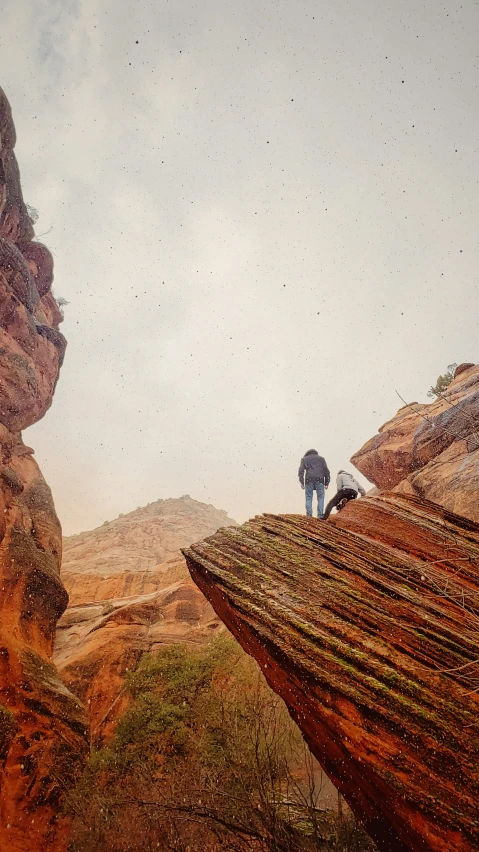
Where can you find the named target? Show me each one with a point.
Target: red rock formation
(431, 450)
(130, 593)
(42, 725)
(367, 626)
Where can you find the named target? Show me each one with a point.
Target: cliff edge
(367, 627)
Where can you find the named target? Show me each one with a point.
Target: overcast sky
(264, 218)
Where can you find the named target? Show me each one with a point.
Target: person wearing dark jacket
(348, 489)
(314, 476)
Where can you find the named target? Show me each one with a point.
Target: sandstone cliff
(367, 627)
(130, 592)
(431, 450)
(43, 737)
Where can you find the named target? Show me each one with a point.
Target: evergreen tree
(443, 381)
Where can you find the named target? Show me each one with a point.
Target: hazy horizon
(264, 220)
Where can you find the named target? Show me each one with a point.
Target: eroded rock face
(97, 643)
(431, 450)
(43, 736)
(130, 592)
(367, 626)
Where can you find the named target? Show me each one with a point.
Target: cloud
(261, 231)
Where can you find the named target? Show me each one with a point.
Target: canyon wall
(130, 593)
(431, 450)
(43, 735)
(367, 626)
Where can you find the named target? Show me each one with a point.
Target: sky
(264, 219)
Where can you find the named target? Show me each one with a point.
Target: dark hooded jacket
(312, 468)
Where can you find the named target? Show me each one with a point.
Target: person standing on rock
(314, 476)
(348, 489)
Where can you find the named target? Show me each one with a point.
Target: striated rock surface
(431, 450)
(367, 626)
(130, 592)
(43, 735)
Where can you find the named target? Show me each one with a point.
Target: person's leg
(309, 488)
(347, 493)
(320, 495)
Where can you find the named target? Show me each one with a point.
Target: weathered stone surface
(97, 643)
(431, 450)
(367, 626)
(31, 346)
(129, 593)
(44, 725)
(43, 735)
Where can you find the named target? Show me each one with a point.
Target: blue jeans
(317, 486)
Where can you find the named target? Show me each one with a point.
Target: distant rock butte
(367, 626)
(43, 726)
(138, 552)
(431, 450)
(130, 592)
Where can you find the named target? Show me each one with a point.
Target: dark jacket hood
(313, 468)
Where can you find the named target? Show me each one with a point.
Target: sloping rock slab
(368, 627)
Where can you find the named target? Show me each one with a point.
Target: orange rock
(43, 733)
(366, 626)
(431, 450)
(129, 593)
(98, 643)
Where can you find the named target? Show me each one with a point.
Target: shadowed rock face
(42, 725)
(367, 626)
(431, 450)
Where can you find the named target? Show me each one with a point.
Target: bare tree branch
(431, 422)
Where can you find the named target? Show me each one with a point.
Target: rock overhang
(366, 626)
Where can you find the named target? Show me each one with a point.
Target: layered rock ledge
(130, 593)
(431, 450)
(367, 626)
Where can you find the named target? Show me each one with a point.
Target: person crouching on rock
(348, 489)
(314, 476)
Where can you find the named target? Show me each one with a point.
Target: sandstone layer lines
(376, 663)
